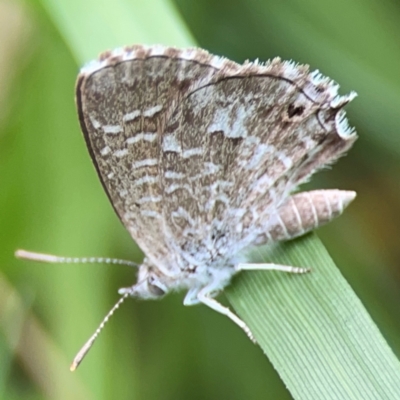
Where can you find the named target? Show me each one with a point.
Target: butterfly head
(150, 285)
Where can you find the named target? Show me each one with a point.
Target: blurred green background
(52, 201)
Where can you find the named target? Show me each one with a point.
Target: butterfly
(200, 158)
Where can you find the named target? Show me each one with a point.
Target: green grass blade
(313, 328)
(90, 27)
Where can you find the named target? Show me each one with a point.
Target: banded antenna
(49, 258)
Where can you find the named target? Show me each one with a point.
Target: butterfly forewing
(123, 110)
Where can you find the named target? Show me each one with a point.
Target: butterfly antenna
(86, 347)
(48, 258)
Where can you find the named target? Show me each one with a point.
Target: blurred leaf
(23, 333)
(93, 26)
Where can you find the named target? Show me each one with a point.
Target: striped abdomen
(306, 211)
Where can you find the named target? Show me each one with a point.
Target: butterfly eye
(154, 287)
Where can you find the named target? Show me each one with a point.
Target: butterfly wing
(124, 100)
(242, 143)
(194, 151)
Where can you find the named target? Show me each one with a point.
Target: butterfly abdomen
(304, 212)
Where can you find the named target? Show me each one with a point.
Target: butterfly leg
(204, 297)
(191, 297)
(272, 267)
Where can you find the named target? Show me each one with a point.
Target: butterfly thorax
(153, 283)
